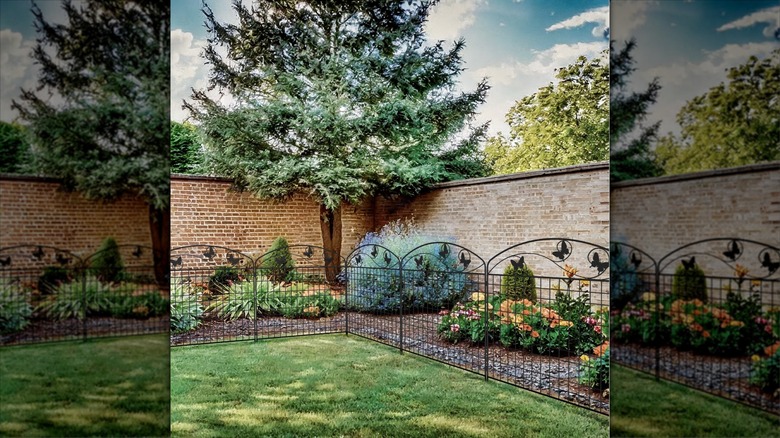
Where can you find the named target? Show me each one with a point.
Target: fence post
(346, 300)
(657, 321)
(401, 311)
(84, 301)
(254, 296)
(487, 324)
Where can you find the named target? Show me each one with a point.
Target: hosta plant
(15, 309)
(186, 309)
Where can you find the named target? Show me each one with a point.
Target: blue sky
(689, 45)
(516, 44)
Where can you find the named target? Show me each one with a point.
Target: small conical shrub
(689, 283)
(278, 264)
(518, 283)
(107, 264)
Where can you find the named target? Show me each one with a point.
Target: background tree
(631, 142)
(340, 100)
(106, 131)
(186, 156)
(732, 124)
(14, 148)
(561, 124)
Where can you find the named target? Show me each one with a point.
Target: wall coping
(750, 168)
(590, 167)
(31, 178)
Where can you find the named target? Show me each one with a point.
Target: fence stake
(487, 325)
(84, 301)
(657, 321)
(401, 312)
(346, 303)
(254, 289)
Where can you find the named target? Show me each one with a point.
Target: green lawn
(640, 407)
(109, 387)
(336, 385)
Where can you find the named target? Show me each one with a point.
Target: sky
(689, 45)
(516, 44)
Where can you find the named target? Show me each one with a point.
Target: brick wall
(34, 211)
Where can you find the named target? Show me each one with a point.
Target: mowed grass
(337, 385)
(642, 407)
(108, 387)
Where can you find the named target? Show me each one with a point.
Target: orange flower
(569, 271)
(697, 327)
(526, 302)
(598, 351)
(736, 323)
(565, 323)
(525, 327)
(705, 334)
(534, 334)
(772, 349)
(554, 323)
(740, 271)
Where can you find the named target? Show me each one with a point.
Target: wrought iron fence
(51, 294)
(706, 315)
(533, 316)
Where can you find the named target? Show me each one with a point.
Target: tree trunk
(330, 224)
(160, 226)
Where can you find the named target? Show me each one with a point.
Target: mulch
(50, 331)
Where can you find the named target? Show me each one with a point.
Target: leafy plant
(467, 322)
(107, 264)
(238, 301)
(689, 283)
(68, 300)
(595, 372)
(223, 278)
(15, 309)
(278, 264)
(766, 372)
(146, 305)
(518, 283)
(186, 310)
(52, 277)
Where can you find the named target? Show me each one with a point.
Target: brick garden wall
(34, 211)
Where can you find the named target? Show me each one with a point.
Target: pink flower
(626, 328)
(597, 329)
(768, 329)
(455, 328)
(590, 321)
(444, 312)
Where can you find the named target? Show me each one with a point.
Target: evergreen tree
(338, 99)
(106, 132)
(630, 141)
(14, 149)
(185, 148)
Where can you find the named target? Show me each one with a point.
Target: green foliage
(186, 310)
(689, 284)
(561, 124)
(52, 277)
(346, 103)
(766, 373)
(14, 148)
(15, 308)
(730, 125)
(468, 322)
(107, 264)
(186, 156)
(239, 301)
(624, 282)
(146, 305)
(278, 264)
(110, 64)
(595, 372)
(517, 284)
(224, 277)
(77, 300)
(631, 142)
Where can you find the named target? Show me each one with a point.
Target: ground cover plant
(334, 385)
(641, 406)
(106, 387)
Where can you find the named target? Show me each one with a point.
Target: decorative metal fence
(706, 315)
(50, 294)
(533, 316)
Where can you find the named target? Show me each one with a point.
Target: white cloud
(448, 19)
(600, 16)
(18, 70)
(629, 15)
(771, 16)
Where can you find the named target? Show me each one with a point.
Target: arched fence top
(743, 257)
(372, 255)
(642, 262)
(316, 255)
(26, 256)
(132, 255)
(576, 258)
(201, 255)
(448, 256)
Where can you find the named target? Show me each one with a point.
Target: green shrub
(467, 322)
(67, 300)
(15, 309)
(52, 277)
(224, 277)
(689, 283)
(239, 302)
(278, 264)
(146, 305)
(186, 310)
(518, 283)
(107, 264)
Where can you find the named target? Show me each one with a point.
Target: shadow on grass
(338, 385)
(109, 387)
(641, 406)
